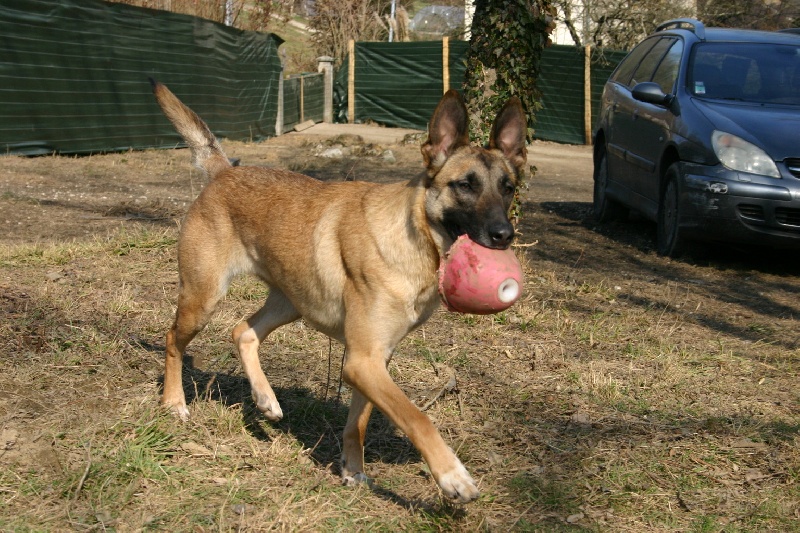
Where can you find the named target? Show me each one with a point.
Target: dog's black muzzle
(499, 235)
(494, 232)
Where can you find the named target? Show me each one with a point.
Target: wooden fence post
(302, 99)
(325, 65)
(446, 64)
(351, 82)
(587, 94)
(279, 117)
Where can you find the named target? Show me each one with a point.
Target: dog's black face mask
(478, 207)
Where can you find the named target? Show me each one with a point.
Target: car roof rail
(694, 25)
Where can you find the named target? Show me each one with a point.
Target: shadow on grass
(746, 277)
(318, 424)
(640, 234)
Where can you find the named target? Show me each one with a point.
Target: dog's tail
(207, 154)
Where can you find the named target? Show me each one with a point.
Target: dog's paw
(268, 406)
(178, 409)
(458, 485)
(182, 412)
(359, 478)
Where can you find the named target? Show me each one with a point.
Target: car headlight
(738, 154)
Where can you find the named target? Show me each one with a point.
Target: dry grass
(626, 393)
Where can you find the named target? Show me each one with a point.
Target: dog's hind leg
(247, 337)
(194, 311)
(354, 433)
(205, 274)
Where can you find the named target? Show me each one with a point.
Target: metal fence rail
(303, 99)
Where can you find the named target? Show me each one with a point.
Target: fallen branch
(449, 385)
(85, 475)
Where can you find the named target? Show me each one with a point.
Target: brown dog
(356, 260)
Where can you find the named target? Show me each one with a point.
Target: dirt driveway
(626, 392)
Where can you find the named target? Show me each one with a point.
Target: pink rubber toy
(479, 280)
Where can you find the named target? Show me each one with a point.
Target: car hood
(772, 128)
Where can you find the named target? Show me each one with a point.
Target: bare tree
(243, 14)
(621, 24)
(335, 22)
(564, 10)
(758, 14)
(616, 23)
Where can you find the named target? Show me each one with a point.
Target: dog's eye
(464, 185)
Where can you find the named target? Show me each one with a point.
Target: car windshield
(749, 72)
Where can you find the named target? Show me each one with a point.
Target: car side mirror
(651, 93)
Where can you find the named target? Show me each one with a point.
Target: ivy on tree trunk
(504, 59)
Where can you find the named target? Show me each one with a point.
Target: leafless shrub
(621, 24)
(246, 15)
(338, 21)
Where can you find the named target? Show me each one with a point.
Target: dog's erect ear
(508, 134)
(447, 130)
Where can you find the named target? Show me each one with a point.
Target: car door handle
(636, 113)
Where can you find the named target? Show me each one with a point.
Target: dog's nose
(501, 234)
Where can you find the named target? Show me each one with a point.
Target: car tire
(670, 242)
(604, 208)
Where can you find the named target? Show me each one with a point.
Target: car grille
(753, 212)
(790, 217)
(794, 166)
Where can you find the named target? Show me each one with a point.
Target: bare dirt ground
(626, 392)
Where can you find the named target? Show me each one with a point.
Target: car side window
(647, 67)
(625, 69)
(667, 71)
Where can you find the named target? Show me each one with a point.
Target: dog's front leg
(365, 371)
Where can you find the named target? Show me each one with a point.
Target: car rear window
(667, 71)
(625, 69)
(750, 72)
(650, 61)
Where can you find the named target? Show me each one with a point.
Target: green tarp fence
(73, 76)
(561, 118)
(562, 115)
(399, 84)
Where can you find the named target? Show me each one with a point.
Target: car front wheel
(670, 243)
(604, 208)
